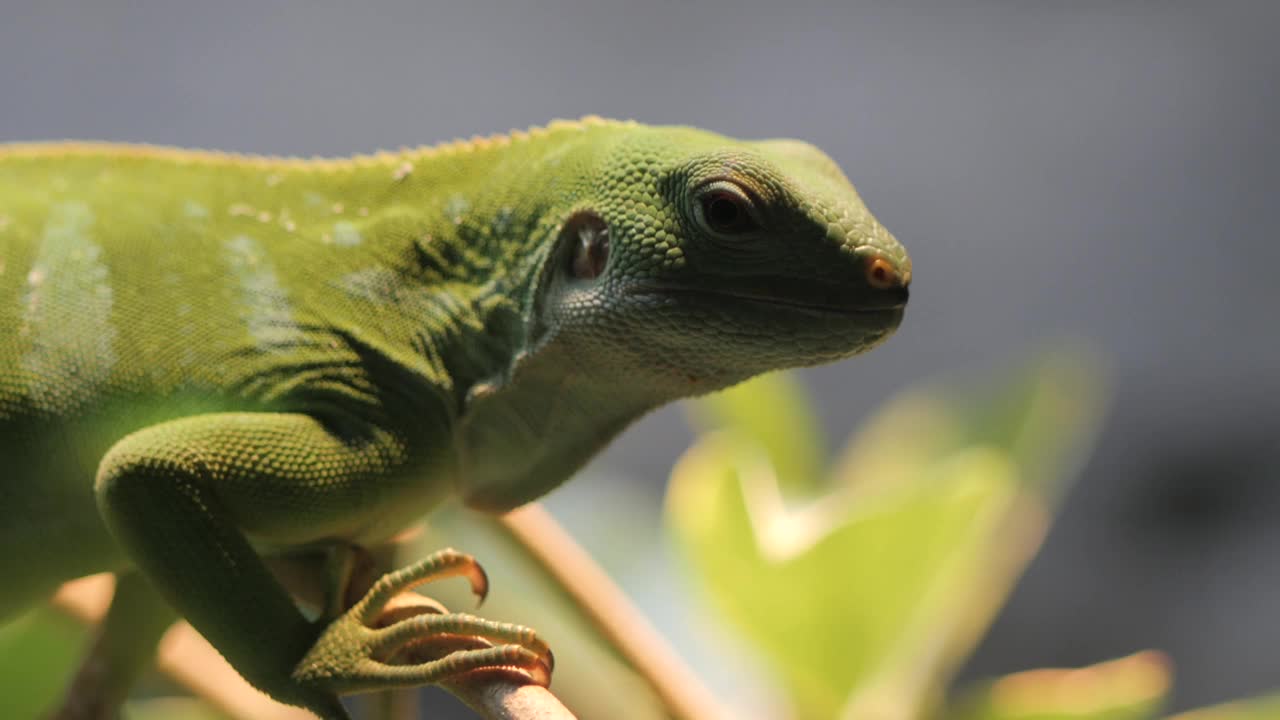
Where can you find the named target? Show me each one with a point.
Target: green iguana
(208, 360)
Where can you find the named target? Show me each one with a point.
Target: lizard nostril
(881, 274)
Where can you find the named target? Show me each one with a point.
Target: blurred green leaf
(832, 615)
(1129, 688)
(773, 414)
(1265, 708)
(866, 599)
(39, 651)
(1043, 415)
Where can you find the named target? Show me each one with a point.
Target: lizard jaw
(889, 308)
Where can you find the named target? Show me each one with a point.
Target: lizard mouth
(811, 299)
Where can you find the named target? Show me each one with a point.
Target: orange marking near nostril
(881, 274)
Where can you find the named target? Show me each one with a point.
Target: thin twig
(613, 614)
(498, 699)
(399, 704)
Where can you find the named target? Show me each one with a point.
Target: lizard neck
(523, 435)
(437, 252)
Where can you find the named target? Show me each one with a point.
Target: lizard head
(693, 259)
(669, 262)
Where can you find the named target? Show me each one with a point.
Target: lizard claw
(383, 642)
(443, 564)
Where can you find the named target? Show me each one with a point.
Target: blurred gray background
(1107, 170)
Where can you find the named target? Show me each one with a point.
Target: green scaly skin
(208, 359)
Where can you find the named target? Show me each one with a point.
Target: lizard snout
(885, 276)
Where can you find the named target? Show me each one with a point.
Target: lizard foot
(383, 642)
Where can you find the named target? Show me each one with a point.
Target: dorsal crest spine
(74, 148)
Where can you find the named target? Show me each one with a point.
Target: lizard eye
(723, 209)
(589, 236)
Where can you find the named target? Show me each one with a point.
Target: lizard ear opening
(588, 236)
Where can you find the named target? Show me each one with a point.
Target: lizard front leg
(181, 498)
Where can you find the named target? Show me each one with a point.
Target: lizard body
(208, 358)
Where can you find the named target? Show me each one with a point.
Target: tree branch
(500, 699)
(613, 614)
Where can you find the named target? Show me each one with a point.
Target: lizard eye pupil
(589, 235)
(722, 212)
(725, 213)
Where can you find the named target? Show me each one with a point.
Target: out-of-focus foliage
(38, 655)
(1267, 708)
(774, 416)
(1129, 688)
(866, 585)
(867, 595)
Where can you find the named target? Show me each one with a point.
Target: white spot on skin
(72, 337)
(384, 288)
(502, 220)
(195, 210)
(456, 208)
(265, 306)
(346, 234)
(555, 157)
(375, 285)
